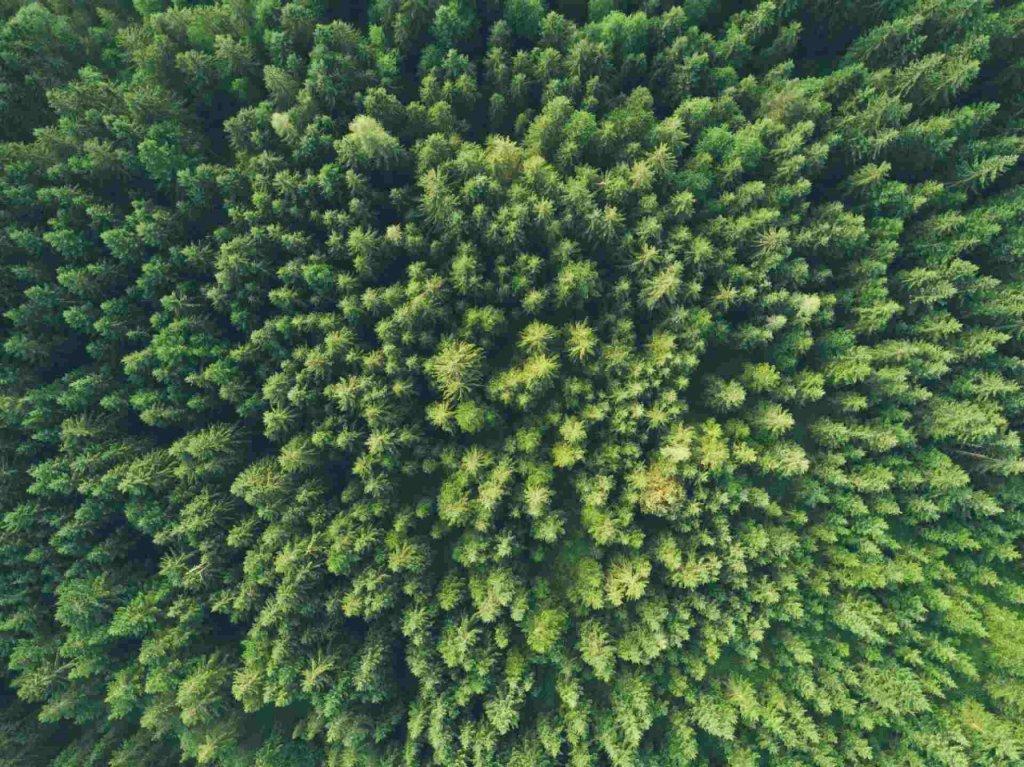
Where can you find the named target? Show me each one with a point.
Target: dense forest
(511, 383)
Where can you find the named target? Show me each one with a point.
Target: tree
(595, 649)
(368, 146)
(725, 395)
(456, 368)
(456, 25)
(524, 17)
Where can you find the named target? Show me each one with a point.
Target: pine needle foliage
(623, 383)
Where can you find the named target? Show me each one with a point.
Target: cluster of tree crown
(511, 383)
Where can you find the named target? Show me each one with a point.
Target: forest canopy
(511, 383)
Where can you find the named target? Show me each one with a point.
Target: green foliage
(461, 383)
(456, 25)
(524, 17)
(368, 145)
